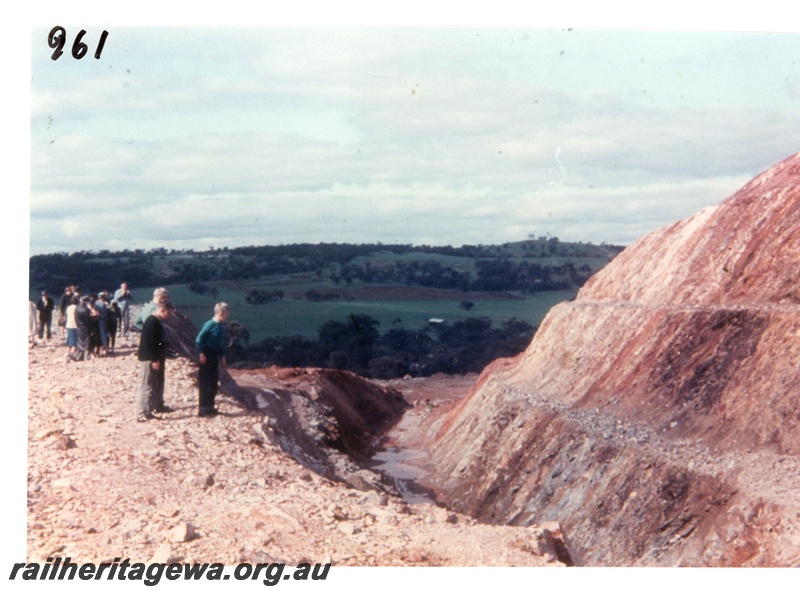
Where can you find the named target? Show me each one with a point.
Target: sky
(471, 133)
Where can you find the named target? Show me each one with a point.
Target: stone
(42, 434)
(162, 555)
(183, 532)
(65, 482)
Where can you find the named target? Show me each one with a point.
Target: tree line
(162, 267)
(357, 345)
(488, 275)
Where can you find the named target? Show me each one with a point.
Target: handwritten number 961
(57, 38)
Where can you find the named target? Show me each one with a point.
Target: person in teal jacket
(211, 348)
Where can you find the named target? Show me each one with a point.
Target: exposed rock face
(183, 489)
(321, 417)
(657, 415)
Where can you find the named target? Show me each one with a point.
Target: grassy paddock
(302, 317)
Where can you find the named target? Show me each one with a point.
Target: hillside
(655, 416)
(267, 481)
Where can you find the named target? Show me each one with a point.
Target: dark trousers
(44, 323)
(208, 381)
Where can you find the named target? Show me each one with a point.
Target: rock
(44, 433)
(63, 442)
(163, 554)
(373, 497)
(442, 516)
(183, 532)
(133, 527)
(65, 482)
(198, 480)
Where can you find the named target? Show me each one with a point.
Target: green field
(400, 286)
(302, 317)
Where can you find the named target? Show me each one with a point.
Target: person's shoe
(208, 413)
(145, 417)
(163, 409)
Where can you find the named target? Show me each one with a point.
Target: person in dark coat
(95, 342)
(114, 316)
(83, 320)
(45, 306)
(152, 356)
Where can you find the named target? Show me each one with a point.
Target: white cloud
(349, 134)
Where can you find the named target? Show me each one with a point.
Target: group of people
(210, 343)
(152, 356)
(90, 324)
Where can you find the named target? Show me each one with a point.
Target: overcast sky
(191, 137)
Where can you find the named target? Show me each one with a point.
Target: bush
(386, 367)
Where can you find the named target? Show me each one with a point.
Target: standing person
(101, 307)
(33, 324)
(94, 326)
(83, 320)
(211, 346)
(45, 306)
(63, 303)
(71, 326)
(113, 313)
(123, 297)
(159, 295)
(152, 358)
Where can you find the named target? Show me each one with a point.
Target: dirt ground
(185, 489)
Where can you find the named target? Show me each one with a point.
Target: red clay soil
(656, 416)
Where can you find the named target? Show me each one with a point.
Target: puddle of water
(395, 463)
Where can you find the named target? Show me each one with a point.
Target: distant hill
(527, 266)
(378, 310)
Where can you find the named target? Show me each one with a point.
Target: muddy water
(403, 455)
(397, 464)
